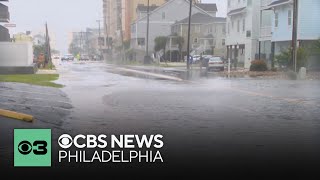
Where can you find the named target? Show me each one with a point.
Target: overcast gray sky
(64, 16)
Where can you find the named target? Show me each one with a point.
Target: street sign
(10, 25)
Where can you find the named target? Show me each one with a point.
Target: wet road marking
(16, 115)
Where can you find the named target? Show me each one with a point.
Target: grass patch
(34, 79)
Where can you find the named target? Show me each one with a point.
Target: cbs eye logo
(32, 147)
(65, 141)
(38, 147)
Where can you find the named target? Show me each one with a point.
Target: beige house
(207, 34)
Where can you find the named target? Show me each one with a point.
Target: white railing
(265, 32)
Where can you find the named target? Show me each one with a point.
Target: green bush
(258, 65)
(284, 59)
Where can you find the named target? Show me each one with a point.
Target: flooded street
(207, 122)
(250, 119)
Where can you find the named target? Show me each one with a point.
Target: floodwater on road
(230, 114)
(220, 121)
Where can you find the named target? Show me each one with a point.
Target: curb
(151, 74)
(16, 115)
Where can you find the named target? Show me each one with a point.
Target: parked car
(56, 57)
(67, 57)
(196, 59)
(215, 63)
(84, 57)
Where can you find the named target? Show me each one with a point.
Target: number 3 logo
(38, 147)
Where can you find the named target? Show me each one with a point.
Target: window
(289, 17)
(238, 26)
(228, 28)
(276, 20)
(163, 15)
(229, 3)
(248, 34)
(195, 40)
(249, 2)
(243, 25)
(232, 24)
(223, 42)
(141, 41)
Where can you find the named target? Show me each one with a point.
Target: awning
(279, 3)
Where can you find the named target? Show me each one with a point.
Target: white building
(243, 31)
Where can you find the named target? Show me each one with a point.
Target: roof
(143, 8)
(208, 7)
(279, 2)
(236, 11)
(200, 18)
(168, 2)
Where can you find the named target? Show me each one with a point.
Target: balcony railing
(265, 32)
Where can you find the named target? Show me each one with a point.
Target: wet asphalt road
(208, 119)
(222, 122)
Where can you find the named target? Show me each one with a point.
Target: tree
(39, 49)
(284, 59)
(160, 44)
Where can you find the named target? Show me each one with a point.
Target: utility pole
(147, 57)
(295, 34)
(48, 48)
(99, 41)
(148, 23)
(121, 35)
(189, 32)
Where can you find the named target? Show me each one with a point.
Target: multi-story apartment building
(282, 21)
(112, 13)
(276, 27)
(4, 18)
(243, 31)
(119, 14)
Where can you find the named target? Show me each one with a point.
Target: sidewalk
(47, 71)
